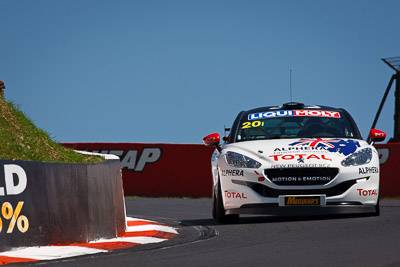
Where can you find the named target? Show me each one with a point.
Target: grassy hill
(21, 139)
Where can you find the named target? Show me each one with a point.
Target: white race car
(294, 160)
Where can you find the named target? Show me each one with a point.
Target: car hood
(299, 152)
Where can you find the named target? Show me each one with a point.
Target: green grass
(20, 139)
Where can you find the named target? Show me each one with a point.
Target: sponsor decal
(232, 172)
(254, 124)
(15, 183)
(278, 157)
(13, 186)
(301, 179)
(302, 201)
(338, 145)
(293, 149)
(134, 161)
(366, 170)
(234, 194)
(14, 216)
(364, 193)
(288, 113)
(284, 166)
(210, 139)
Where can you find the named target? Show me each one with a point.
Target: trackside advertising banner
(159, 169)
(389, 159)
(185, 169)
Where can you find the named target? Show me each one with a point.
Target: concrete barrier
(59, 203)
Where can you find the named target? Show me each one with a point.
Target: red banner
(389, 159)
(176, 170)
(180, 170)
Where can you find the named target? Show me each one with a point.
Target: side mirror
(376, 135)
(212, 140)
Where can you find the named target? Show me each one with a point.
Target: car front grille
(301, 176)
(266, 191)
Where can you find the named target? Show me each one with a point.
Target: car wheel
(220, 210)
(377, 208)
(214, 203)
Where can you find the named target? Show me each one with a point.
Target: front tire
(219, 210)
(377, 209)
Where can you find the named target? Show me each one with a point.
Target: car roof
(292, 106)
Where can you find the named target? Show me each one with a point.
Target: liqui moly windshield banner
(289, 113)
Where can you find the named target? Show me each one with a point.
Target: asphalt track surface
(255, 240)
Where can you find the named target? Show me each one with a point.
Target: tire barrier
(169, 170)
(59, 203)
(181, 170)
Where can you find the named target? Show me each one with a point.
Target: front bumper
(244, 195)
(329, 209)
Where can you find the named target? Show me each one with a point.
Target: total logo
(364, 193)
(234, 194)
(299, 157)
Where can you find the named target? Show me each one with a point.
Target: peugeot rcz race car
(294, 160)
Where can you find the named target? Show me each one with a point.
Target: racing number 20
(253, 124)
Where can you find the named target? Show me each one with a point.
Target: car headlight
(240, 161)
(361, 157)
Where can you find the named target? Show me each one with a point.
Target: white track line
(51, 252)
(151, 227)
(134, 239)
(137, 219)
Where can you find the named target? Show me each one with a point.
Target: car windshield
(286, 124)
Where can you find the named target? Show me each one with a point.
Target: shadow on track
(260, 219)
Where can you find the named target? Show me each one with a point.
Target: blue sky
(174, 71)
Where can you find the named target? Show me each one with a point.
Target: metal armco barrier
(59, 203)
(175, 170)
(389, 159)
